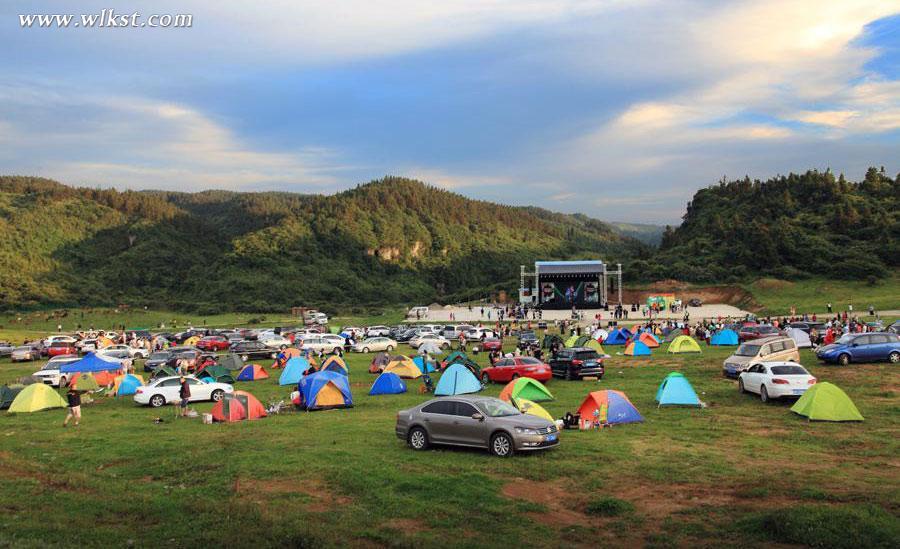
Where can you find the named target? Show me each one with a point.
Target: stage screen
(566, 290)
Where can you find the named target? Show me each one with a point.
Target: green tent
(164, 371)
(217, 373)
(595, 345)
(549, 339)
(684, 344)
(232, 362)
(455, 357)
(583, 341)
(826, 402)
(8, 394)
(36, 397)
(527, 388)
(86, 382)
(572, 341)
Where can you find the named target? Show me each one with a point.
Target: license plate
(799, 391)
(551, 438)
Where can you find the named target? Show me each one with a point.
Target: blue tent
(724, 337)
(128, 385)
(323, 390)
(637, 348)
(676, 390)
(426, 366)
(457, 380)
(91, 363)
(293, 371)
(618, 337)
(388, 383)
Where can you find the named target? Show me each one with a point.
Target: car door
(879, 345)
(199, 390)
(466, 430)
(751, 378)
(169, 389)
(861, 349)
(504, 370)
(438, 418)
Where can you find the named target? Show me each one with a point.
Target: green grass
(820, 526)
(341, 477)
(776, 297)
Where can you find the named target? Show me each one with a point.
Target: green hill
(389, 241)
(788, 227)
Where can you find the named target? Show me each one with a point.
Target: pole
(619, 272)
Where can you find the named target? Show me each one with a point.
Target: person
(74, 399)
(185, 394)
(829, 307)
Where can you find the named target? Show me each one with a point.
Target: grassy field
(778, 296)
(737, 473)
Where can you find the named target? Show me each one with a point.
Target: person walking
(185, 394)
(74, 400)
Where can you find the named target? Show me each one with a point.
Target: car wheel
(390, 348)
(502, 445)
(217, 395)
(417, 439)
(515, 377)
(763, 394)
(485, 378)
(741, 386)
(365, 349)
(157, 400)
(844, 359)
(894, 357)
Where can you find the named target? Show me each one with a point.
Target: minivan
(767, 349)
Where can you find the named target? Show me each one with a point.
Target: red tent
(238, 406)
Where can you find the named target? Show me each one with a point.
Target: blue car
(869, 347)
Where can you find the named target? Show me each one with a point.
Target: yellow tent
(404, 367)
(528, 407)
(595, 345)
(571, 341)
(191, 341)
(119, 379)
(104, 342)
(684, 344)
(36, 397)
(334, 359)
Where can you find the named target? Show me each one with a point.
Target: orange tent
(106, 378)
(238, 406)
(649, 340)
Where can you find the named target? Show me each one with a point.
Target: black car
(157, 360)
(406, 336)
(576, 363)
(528, 339)
(695, 302)
(248, 350)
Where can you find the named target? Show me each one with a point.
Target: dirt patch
(553, 495)
(15, 470)
(320, 496)
(729, 295)
(407, 525)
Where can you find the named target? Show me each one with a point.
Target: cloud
(452, 182)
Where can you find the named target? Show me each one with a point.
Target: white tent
(800, 337)
(599, 335)
(430, 348)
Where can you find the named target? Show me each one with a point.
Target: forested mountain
(389, 241)
(787, 227)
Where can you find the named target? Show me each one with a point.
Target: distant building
(563, 284)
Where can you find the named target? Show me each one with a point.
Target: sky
(617, 109)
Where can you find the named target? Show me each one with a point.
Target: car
(473, 334)
(375, 345)
(87, 345)
(213, 343)
(125, 351)
(451, 331)
(438, 340)
(164, 390)
(772, 380)
(894, 328)
(406, 335)
(756, 332)
(6, 348)
(378, 331)
(61, 347)
(417, 312)
(248, 350)
(508, 369)
(475, 421)
(275, 341)
(49, 340)
(50, 373)
(492, 344)
(866, 347)
(695, 302)
(769, 349)
(577, 363)
(325, 344)
(527, 339)
(157, 360)
(25, 353)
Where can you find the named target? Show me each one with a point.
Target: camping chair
(428, 384)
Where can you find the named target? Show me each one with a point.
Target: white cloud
(455, 181)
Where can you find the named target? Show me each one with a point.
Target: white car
(324, 344)
(165, 390)
(775, 380)
(87, 345)
(375, 345)
(132, 352)
(378, 331)
(64, 338)
(438, 340)
(50, 374)
(479, 333)
(274, 341)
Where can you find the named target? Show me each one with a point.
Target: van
(418, 312)
(767, 349)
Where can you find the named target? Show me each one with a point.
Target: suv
(50, 373)
(326, 344)
(452, 332)
(576, 363)
(527, 339)
(378, 331)
(248, 350)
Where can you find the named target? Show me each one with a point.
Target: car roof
(465, 398)
(157, 380)
(770, 339)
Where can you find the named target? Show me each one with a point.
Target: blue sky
(618, 109)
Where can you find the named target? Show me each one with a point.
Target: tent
(425, 366)
(334, 363)
(429, 348)
(84, 382)
(572, 341)
(323, 390)
(525, 387)
(191, 341)
(107, 378)
(550, 339)
(600, 335)
(293, 371)
(8, 394)
(457, 380)
(36, 397)
(162, 371)
(724, 337)
(684, 344)
(127, 384)
(378, 363)
(231, 362)
(532, 408)
(649, 340)
(637, 348)
(388, 384)
(404, 367)
(216, 373)
(611, 407)
(800, 337)
(676, 390)
(453, 358)
(673, 334)
(238, 406)
(826, 402)
(618, 337)
(595, 345)
(91, 363)
(252, 372)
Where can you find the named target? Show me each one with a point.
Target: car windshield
(530, 361)
(159, 356)
(498, 408)
(587, 355)
(747, 350)
(789, 370)
(846, 339)
(23, 348)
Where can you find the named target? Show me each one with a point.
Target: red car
(58, 348)
(492, 344)
(508, 369)
(755, 332)
(213, 343)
